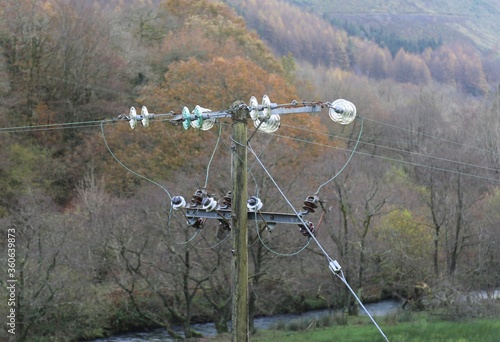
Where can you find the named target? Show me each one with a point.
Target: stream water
(379, 309)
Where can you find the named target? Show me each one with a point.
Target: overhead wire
(97, 123)
(444, 169)
(365, 143)
(94, 123)
(53, 126)
(432, 136)
(400, 161)
(348, 159)
(127, 168)
(213, 154)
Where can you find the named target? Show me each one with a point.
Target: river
(379, 309)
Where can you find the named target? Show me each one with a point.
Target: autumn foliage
(409, 190)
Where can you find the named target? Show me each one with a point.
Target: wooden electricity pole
(341, 111)
(239, 214)
(239, 226)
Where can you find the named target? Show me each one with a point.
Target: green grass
(423, 329)
(480, 331)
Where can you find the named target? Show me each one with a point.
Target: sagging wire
(275, 252)
(215, 245)
(213, 154)
(348, 159)
(169, 233)
(127, 168)
(157, 184)
(333, 265)
(147, 179)
(182, 155)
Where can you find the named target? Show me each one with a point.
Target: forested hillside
(406, 42)
(409, 191)
(452, 21)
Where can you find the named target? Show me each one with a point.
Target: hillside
(452, 21)
(91, 237)
(406, 43)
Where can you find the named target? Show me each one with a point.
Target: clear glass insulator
(254, 112)
(270, 125)
(199, 122)
(342, 111)
(132, 118)
(145, 116)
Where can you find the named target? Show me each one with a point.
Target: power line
(127, 168)
(432, 136)
(395, 160)
(94, 124)
(347, 162)
(400, 151)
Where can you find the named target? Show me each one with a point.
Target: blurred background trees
(98, 247)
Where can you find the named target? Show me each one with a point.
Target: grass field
(423, 328)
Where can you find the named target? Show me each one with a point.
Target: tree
(373, 61)
(443, 64)
(405, 249)
(408, 68)
(469, 71)
(215, 84)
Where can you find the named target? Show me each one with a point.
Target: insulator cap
(254, 112)
(209, 203)
(342, 111)
(200, 123)
(266, 104)
(178, 202)
(269, 125)
(187, 118)
(254, 204)
(145, 116)
(226, 200)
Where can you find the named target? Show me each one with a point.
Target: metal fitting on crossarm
(307, 231)
(226, 200)
(196, 222)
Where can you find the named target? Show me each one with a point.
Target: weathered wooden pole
(239, 230)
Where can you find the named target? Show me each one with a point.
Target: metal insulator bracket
(307, 231)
